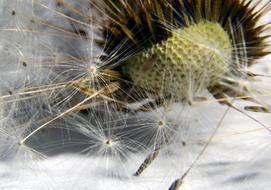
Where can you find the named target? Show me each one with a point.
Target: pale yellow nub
(190, 60)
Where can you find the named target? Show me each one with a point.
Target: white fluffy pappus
(60, 128)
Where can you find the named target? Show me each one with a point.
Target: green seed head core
(190, 60)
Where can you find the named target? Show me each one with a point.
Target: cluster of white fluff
(42, 148)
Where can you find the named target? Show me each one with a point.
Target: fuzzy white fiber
(33, 38)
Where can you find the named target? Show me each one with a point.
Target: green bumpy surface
(190, 60)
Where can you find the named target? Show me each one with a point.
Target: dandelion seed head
(199, 54)
(115, 105)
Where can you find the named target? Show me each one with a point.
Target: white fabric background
(239, 157)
